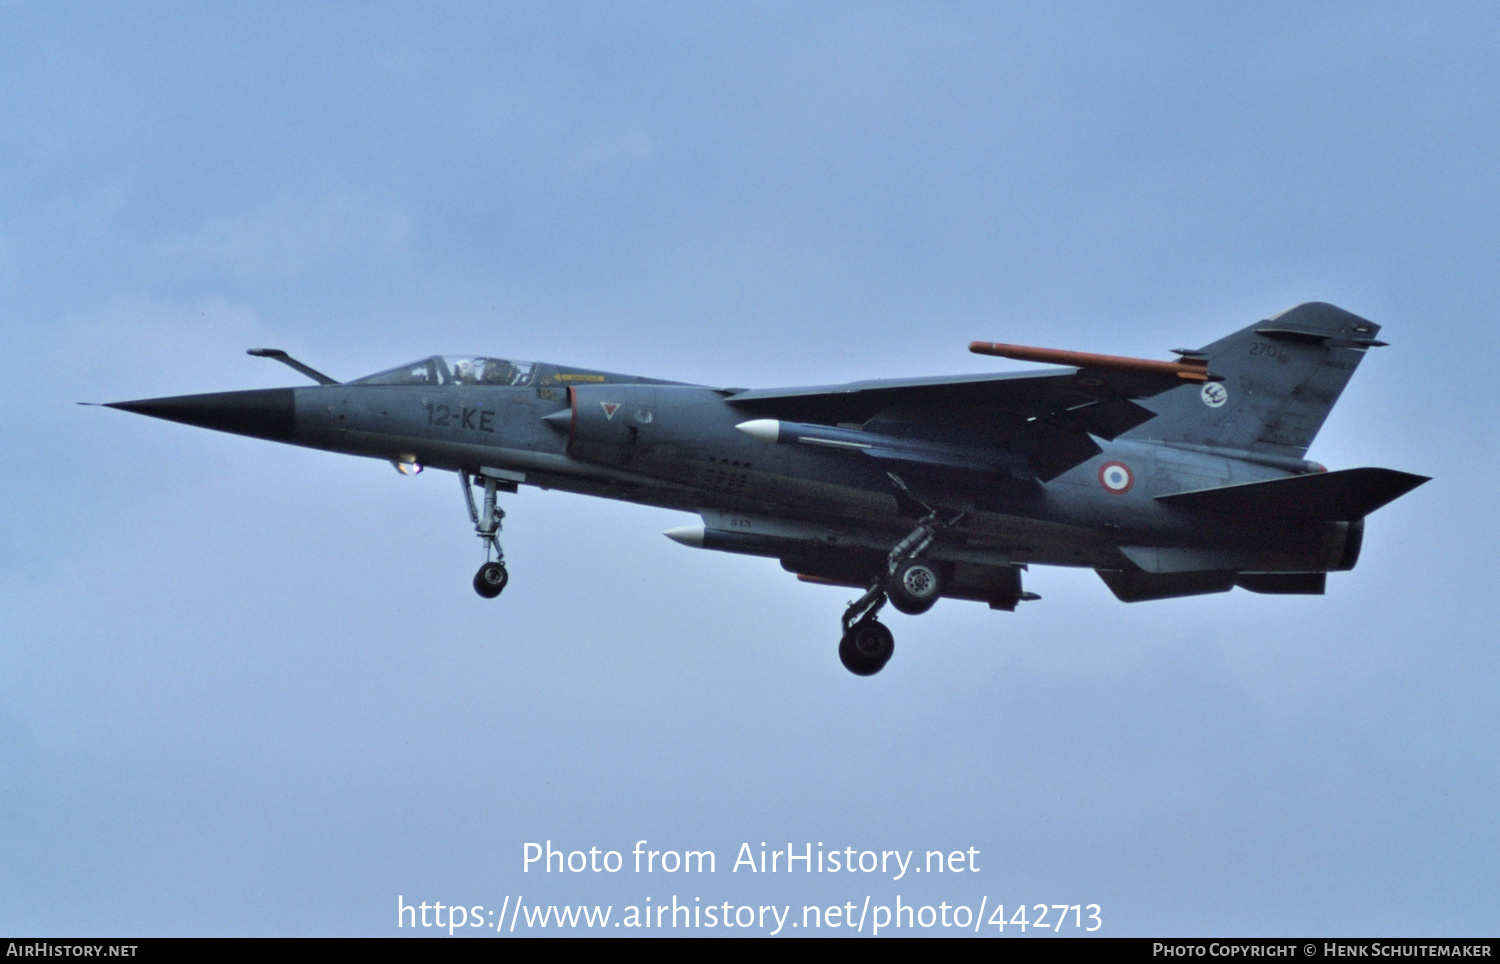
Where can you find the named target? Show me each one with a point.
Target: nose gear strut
(491, 577)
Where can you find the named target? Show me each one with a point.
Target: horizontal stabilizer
(1327, 496)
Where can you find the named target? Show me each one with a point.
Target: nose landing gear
(491, 577)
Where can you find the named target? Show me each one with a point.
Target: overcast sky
(248, 689)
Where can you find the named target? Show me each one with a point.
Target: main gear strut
(908, 582)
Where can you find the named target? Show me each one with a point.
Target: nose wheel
(491, 577)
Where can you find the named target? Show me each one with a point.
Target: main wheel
(915, 587)
(866, 648)
(490, 579)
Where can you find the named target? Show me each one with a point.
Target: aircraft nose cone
(265, 413)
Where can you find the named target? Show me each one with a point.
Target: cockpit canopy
(455, 370)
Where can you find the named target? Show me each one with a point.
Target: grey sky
(247, 689)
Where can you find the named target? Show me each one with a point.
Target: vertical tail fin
(1282, 377)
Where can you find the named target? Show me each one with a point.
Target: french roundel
(1116, 477)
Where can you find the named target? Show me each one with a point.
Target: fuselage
(678, 446)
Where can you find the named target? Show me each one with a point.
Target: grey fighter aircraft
(1170, 478)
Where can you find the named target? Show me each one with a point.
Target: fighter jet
(1169, 478)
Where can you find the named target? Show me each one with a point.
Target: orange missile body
(1189, 369)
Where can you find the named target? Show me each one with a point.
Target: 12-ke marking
(443, 416)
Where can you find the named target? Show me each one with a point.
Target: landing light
(408, 465)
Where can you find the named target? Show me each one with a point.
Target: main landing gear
(491, 577)
(908, 582)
